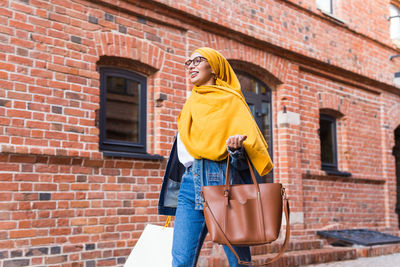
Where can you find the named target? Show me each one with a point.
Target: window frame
(329, 166)
(123, 147)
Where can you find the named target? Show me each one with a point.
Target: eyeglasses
(196, 61)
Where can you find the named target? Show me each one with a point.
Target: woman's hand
(235, 141)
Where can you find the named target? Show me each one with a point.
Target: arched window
(122, 111)
(258, 97)
(122, 117)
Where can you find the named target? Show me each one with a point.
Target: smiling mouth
(193, 74)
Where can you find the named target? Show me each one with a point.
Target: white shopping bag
(153, 248)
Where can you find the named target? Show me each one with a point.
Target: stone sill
(333, 17)
(355, 180)
(132, 155)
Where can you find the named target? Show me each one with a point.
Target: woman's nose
(191, 66)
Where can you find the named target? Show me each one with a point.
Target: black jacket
(171, 184)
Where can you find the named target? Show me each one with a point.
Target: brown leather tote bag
(246, 214)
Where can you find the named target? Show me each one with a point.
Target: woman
(214, 121)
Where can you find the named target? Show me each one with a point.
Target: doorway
(258, 98)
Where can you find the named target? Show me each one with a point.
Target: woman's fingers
(242, 138)
(235, 141)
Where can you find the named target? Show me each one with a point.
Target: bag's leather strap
(284, 246)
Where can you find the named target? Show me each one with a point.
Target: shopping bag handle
(167, 222)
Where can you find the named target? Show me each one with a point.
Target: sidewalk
(381, 261)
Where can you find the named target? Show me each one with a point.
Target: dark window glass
(327, 135)
(123, 111)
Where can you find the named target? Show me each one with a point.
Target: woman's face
(202, 73)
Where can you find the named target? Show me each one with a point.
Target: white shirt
(183, 155)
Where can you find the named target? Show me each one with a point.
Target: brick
(7, 225)
(22, 233)
(94, 212)
(55, 250)
(79, 204)
(62, 213)
(37, 251)
(44, 205)
(42, 241)
(60, 231)
(26, 177)
(93, 163)
(16, 263)
(43, 223)
(22, 158)
(8, 187)
(19, 113)
(21, 60)
(93, 229)
(46, 168)
(56, 259)
(79, 187)
(64, 178)
(78, 239)
(16, 254)
(72, 248)
(45, 187)
(6, 197)
(74, 112)
(78, 221)
(21, 25)
(39, 107)
(122, 164)
(9, 167)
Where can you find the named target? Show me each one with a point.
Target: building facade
(90, 92)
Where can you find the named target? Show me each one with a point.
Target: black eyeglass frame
(190, 61)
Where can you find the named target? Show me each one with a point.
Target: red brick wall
(358, 137)
(65, 204)
(343, 204)
(300, 27)
(70, 209)
(374, 25)
(362, 199)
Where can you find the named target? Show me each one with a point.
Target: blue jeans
(190, 230)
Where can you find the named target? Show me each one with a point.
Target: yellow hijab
(212, 113)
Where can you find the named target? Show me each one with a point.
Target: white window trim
(394, 10)
(321, 5)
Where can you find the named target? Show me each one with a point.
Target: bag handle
(285, 243)
(228, 172)
(167, 222)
